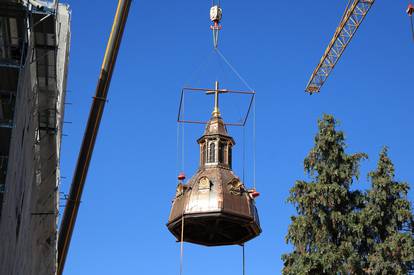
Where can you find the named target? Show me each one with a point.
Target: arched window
(202, 153)
(212, 153)
(222, 152)
(230, 160)
(205, 152)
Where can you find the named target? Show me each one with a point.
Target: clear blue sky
(275, 45)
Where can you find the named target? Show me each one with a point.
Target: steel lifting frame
(351, 20)
(181, 119)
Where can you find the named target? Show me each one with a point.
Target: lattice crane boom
(351, 20)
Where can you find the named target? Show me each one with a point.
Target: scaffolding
(27, 28)
(13, 43)
(45, 5)
(3, 171)
(43, 27)
(12, 53)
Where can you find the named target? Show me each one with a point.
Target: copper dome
(216, 207)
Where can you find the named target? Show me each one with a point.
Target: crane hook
(216, 13)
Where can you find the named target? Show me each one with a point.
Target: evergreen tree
(326, 232)
(388, 222)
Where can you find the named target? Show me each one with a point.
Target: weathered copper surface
(214, 204)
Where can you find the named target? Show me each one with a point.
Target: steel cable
(244, 260)
(182, 244)
(234, 69)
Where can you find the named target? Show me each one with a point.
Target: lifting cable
(244, 142)
(181, 141)
(181, 166)
(254, 143)
(178, 148)
(233, 69)
(244, 154)
(412, 26)
(182, 233)
(244, 259)
(254, 115)
(182, 244)
(205, 62)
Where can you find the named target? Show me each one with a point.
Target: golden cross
(216, 92)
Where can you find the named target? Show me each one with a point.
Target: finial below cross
(216, 92)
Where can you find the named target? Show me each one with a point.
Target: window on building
(202, 153)
(212, 153)
(222, 152)
(9, 39)
(3, 38)
(205, 152)
(230, 160)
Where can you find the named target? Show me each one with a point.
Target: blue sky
(275, 45)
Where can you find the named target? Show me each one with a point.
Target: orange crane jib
(351, 20)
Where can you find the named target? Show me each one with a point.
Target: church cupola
(216, 144)
(214, 207)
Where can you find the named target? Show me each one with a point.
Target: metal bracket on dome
(180, 118)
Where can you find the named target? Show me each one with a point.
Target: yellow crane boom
(351, 20)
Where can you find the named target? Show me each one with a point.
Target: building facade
(34, 55)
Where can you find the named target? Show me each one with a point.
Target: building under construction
(34, 55)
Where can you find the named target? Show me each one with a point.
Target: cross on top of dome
(216, 92)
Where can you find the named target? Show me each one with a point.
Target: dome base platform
(215, 229)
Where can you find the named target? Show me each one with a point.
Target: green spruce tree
(326, 232)
(388, 222)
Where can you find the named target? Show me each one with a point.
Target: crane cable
(233, 69)
(182, 244)
(412, 26)
(180, 167)
(244, 260)
(254, 115)
(183, 139)
(254, 112)
(254, 142)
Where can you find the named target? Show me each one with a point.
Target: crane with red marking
(216, 13)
